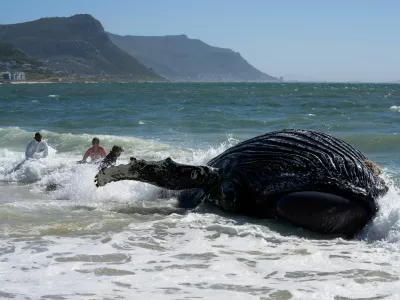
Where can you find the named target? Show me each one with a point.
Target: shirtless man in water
(95, 152)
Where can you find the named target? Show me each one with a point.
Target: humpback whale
(308, 178)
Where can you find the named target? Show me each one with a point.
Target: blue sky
(298, 39)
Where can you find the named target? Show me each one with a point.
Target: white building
(18, 76)
(12, 76)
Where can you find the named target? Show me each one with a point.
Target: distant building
(18, 76)
(13, 76)
(6, 75)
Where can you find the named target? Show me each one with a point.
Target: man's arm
(30, 150)
(45, 150)
(87, 154)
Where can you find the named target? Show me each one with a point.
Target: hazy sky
(303, 39)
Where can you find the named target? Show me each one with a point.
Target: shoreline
(107, 80)
(70, 80)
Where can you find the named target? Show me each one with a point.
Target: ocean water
(123, 241)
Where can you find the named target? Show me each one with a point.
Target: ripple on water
(358, 275)
(106, 272)
(105, 258)
(248, 289)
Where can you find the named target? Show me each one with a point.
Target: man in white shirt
(37, 148)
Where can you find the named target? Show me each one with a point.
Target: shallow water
(124, 241)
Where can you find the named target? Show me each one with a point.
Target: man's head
(117, 150)
(96, 141)
(38, 136)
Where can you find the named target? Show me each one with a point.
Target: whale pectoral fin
(115, 173)
(323, 212)
(165, 173)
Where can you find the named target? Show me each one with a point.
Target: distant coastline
(109, 80)
(77, 80)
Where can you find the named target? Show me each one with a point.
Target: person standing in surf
(112, 157)
(37, 148)
(95, 152)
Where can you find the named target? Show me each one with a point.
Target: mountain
(180, 58)
(8, 53)
(76, 45)
(12, 59)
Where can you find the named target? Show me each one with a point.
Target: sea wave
(395, 108)
(75, 182)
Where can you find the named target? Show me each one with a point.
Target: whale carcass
(308, 178)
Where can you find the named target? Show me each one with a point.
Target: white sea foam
(395, 108)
